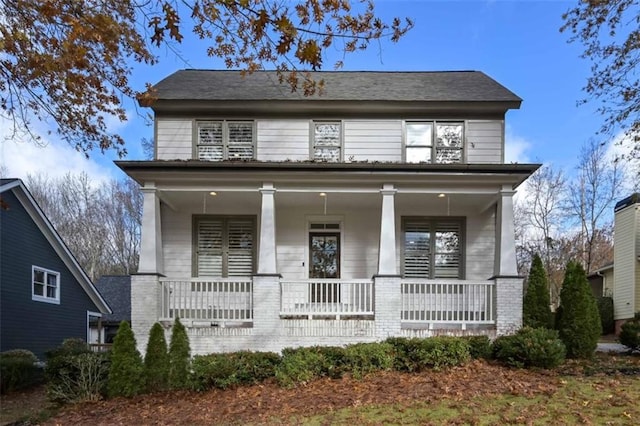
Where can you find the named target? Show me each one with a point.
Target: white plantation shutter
(432, 248)
(240, 144)
(210, 141)
(225, 247)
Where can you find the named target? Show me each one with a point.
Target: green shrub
(605, 309)
(179, 357)
(78, 378)
(630, 333)
(126, 370)
(73, 346)
(300, 365)
(364, 358)
(156, 360)
(479, 346)
(232, 369)
(530, 347)
(578, 319)
(18, 370)
(434, 352)
(536, 310)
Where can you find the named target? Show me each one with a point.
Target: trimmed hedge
(417, 354)
(18, 370)
(530, 347)
(232, 369)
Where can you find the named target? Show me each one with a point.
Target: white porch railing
(219, 299)
(326, 297)
(456, 302)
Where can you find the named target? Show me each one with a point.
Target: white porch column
(151, 259)
(505, 259)
(387, 261)
(267, 251)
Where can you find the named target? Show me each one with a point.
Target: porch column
(151, 261)
(267, 251)
(387, 253)
(508, 284)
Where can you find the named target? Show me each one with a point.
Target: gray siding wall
(625, 262)
(485, 141)
(27, 324)
(174, 139)
(373, 140)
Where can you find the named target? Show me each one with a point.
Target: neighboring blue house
(45, 296)
(116, 290)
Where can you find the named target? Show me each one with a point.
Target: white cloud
(516, 148)
(620, 148)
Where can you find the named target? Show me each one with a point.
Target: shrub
(605, 309)
(78, 378)
(434, 352)
(156, 360)
(630, 333)
(365, 358)
(233, 369)
(479, 346)
(300, 365)
(578, 319)
(18, 370)
(530, 347)
(536, 311)
(126, 371)
(179, 357)
(72, 346)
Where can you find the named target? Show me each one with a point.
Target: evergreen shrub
(126, 376)
(156, 360)
(630, 333)
(232, 369)
(417, 354)
(578, 320)
(530, 347)
(605, 309)
(365, 358)
(78, 378)
(536, 304)
(479, 347)
(179, 357)
(18, 370)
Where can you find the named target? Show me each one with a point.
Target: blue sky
(518, 43)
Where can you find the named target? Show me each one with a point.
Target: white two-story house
(382, 207)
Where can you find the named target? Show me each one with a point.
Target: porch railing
(219, 299)
(460, 302)
(326, 297)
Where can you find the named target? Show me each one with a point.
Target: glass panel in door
(324, 262)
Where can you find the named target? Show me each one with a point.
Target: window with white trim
(434, 142)
(225, 140)
(224, 246)
(432, 248)
(45, 285)
(327, 141)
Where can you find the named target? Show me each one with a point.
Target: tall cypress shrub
(536, 310)
(126, 371)
(179, 357)
(578, 318)
(156, 360)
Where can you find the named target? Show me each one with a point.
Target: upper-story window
(327, 141)
(45, 285)
(434, 142)
(225, 140)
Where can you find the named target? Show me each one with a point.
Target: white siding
(174, 139)
(485, 141)
(480, 245)
(627, 226)
(281, 140)
(176, 243)
(372, 140)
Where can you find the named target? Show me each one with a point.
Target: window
(224, 246)
(45, 285)
(225, 140)
(432, 248)
(433, 142)
(327, 141)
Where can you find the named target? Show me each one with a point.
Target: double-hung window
(434, 142)
(225, 140)
(224, 246)
(432, 248)
(45, 285)
(326, 141)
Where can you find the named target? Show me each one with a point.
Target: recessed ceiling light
(323, 194)
(441, 195)
(213, 193)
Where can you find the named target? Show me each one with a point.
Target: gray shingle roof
(116, 290)
(442, 86)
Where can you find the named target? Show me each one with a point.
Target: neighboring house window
(45, 285)
(327, 141)
(434, 142)
(225, 140)
(432, 248)
(224, 246)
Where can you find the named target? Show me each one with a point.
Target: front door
(324, 262)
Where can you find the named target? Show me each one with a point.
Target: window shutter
(417, 246)
(447, 250)
(240, 234)
(210, 141)
(209, 248)
(240, 141)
